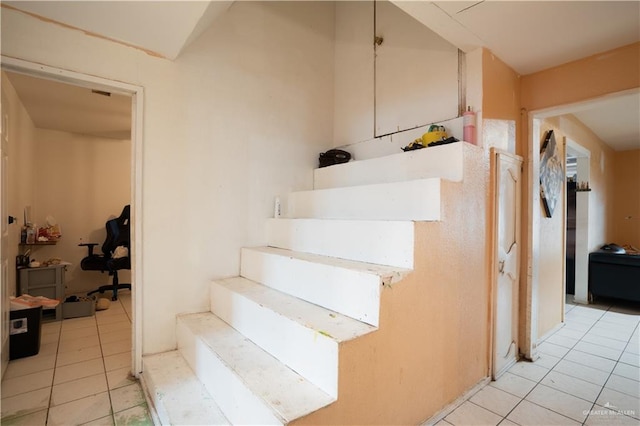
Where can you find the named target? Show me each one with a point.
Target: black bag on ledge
(333, 156)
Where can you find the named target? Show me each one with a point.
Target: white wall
(22, 151)
(237, 119)
(82, 181)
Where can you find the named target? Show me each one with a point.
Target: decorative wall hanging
(551, 174)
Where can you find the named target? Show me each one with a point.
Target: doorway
(578, 166)
(134, 181)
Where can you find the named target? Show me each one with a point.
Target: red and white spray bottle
(469, 126)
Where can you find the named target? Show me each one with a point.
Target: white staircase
(268, 352)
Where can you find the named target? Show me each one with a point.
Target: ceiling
(527, 35)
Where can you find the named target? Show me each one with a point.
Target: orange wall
(500, 89)
(584, 79)
(626, 198)
(551, 254)
(433, 340)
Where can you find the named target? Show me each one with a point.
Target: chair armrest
(90, 246)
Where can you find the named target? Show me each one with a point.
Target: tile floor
(587, 373)
(80, 376)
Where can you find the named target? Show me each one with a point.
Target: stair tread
(326, 322)
(384, 271)
(289, 394)
(184, 397)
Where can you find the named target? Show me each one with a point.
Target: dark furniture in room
(571, 238)
(615, 274)
(118, 235)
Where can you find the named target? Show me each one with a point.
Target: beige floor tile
(577, 326)
(515, 385)
(115, 326)
(48, 348)
(79, 343)
(588, 374)
(619, 401)
(624, 385)
(572, 386)
(630, 358)
(557, 339)
(49, 338)
(116, 347)
(79, 355)
(601, 351)
(620, 319)
(618, 334)
(551, 349)
(120, 377)
(605, 341)
(629, 371)
(127, 397)
(471, 414)
(27, 383)
(25, 403)
(51, 327)
(80, 411)
(115, 336)
(103, 421)
(78, 333)
(112, 318)
(589, 360)
(507, 422)
(117, 361)
(560, 402)
(138, 416)
(529, 370)
(74, 323)
(495, 400)
(78, 370)
(32, 364)
(78, 389)
(567, 332)
(39, 418)
(546, 361)
(529, 414)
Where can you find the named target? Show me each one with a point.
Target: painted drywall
(584, 79)
(602, 179)
(551, 256)
(21, 165)
(81, 181)
(433, 340)
(239, 118)
(626, 198)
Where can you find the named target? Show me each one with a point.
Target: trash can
(24, 332)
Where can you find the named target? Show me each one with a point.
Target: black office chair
(118, 235)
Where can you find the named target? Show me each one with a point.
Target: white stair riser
(308, 352)
(352, 293)
(235, 400)
(444, 162)
(381, 242)
(414, 200)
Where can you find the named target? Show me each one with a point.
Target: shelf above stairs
(268, 351)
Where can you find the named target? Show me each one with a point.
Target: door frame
(137, 145)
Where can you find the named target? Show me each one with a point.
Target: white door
(4, 233)
(506, 173)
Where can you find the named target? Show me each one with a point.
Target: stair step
(249, 385)
(383, 242)
(444, 161)
(178, 396)
(302, 335)
(349, 287)
(409, 200)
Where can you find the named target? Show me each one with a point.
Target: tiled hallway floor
(80, 376)
(587, 373)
